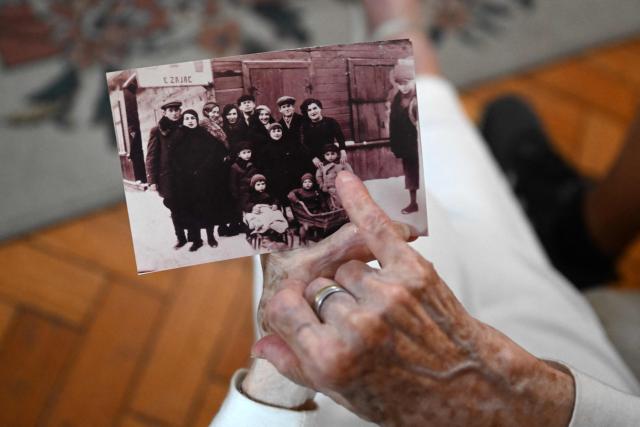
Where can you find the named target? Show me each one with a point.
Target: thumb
(277, 352)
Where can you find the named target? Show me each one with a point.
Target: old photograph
(230, 157)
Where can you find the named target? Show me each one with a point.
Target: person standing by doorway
(163, 140)
(403, 134)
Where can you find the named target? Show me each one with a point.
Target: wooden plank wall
(329, 77)
(329, 74)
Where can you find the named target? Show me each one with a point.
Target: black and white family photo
(236, 156)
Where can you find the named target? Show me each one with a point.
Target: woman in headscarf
(212, 123)
(201, 186)
(233, 127)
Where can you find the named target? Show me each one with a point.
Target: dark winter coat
(201, 189)
(162, 142)
(283, 165)
(256, 198)
(314, 200)
(316, 135)
(403, 134)
(292, 134)
(235, 134)
(240, 180)
(258, 135)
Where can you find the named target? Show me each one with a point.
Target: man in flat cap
(246, 104)
(291, 121)
(162, 141)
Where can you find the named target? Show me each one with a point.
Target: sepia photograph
(236, 156)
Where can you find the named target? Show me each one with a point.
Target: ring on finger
(324, 293)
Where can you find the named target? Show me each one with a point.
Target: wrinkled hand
(402, 350)
(263, 383)
(320, 260)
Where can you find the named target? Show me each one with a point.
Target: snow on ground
(154, 238)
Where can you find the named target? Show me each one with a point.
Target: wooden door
(122, 138)
(369, 87)
(269, 80)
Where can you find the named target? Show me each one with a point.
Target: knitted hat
(257, 177)
(243, 145)
(404, 69)
(192, 112)
(306, 176)
(285, 100)
(274, 125)
(329, 147)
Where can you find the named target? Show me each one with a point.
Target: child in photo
(240, 174)
(328, 171)
(403, 131)
(262, 211)
(314, 199)
(283, 163)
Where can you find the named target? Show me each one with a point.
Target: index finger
(378, 232)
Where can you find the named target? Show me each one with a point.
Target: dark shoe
(211, 240)
(180, 243)
(550, 191)
(411, 208)
(195, 246)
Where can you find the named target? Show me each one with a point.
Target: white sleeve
(240, 411)
(597, 404)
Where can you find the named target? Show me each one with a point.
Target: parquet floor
(84, 341)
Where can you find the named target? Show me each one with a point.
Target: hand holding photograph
(238, 156)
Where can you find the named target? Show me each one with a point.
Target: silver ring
(322, 295)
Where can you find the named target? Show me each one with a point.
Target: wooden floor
(85, 341)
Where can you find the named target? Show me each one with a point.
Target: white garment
(485, 250)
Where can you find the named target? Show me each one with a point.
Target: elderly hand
(263, 383)
(400, 349)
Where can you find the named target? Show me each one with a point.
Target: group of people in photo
(240, 170)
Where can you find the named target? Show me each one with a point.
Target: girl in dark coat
(314, 199)
(201, 187)
(403, 134)
(283, 163)
(233, 127)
